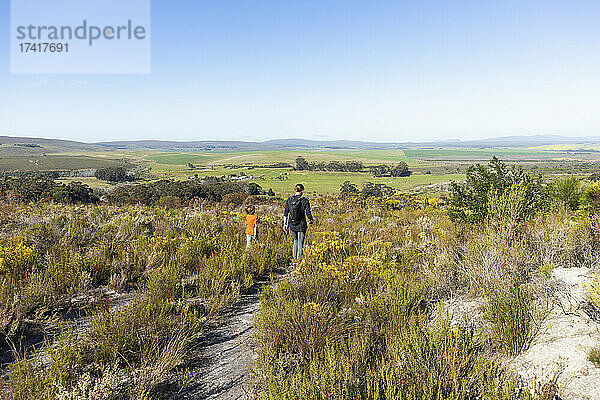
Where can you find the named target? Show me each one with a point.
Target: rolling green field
(282, 180)
(267, 157)
(442, 165)
(315, 181)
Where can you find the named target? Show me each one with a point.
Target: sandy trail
(221, 364)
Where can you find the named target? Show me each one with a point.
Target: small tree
(400, 170)
(371, 189)
(469, 201)
(254, 189)
(112, 174)
(270, 192)
(380, 170)
(75, 192)
(301, 164)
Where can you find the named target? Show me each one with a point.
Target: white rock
(561, 347)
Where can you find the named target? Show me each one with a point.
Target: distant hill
(292, 144)
(22, 146)
(14, 146)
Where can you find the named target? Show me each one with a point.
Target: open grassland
(175, 159)
(370, 312)
(321, 182)
(441, 165)
(267, 157)
(367, 314)
(397, 296)
(175, 165)
(119, 293)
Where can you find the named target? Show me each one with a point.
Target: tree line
(34, 187)
(383, 170)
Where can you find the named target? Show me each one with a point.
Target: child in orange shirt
(251, 225)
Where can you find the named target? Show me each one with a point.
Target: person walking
(295, 215)
(251, 225)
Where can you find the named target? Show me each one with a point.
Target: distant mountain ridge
(294, 143)
(10, 145)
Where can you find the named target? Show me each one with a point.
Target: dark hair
(250, 209)
(299, 188)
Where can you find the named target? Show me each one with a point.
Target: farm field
(482, 154)
(432, 168)
(321, 182)
(267, 157)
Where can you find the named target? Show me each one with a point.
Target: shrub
(469, 202)
(380, 170)
(348, 188)
(513, 316)
(112, 174)
(135, 334)
(150, 193)
(593, 291)
(566, 192)
(16, 261)
(371, 189)
(171, 202)
(507, 210)
(254, 189)
(594, 356)
(235, 199)
(75, 193)
(591, 198)
(301, 164)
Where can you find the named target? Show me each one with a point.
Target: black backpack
(296, 212)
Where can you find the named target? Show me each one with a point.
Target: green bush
(513, 316)
(469, 202)
(591, 198)
(566, 192)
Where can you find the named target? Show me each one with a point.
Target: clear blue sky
(366, 70)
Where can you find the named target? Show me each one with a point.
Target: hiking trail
(220, 366)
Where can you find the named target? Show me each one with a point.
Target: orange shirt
(251, 221)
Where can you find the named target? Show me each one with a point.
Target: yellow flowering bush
(16, 259)
(593, 290)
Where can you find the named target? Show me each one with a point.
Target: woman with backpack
(297, 211)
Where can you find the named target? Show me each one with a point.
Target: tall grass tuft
(512, 313)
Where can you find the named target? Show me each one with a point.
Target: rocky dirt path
(220, 367)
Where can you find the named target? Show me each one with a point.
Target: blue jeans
(250, 239)
(298, 244)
